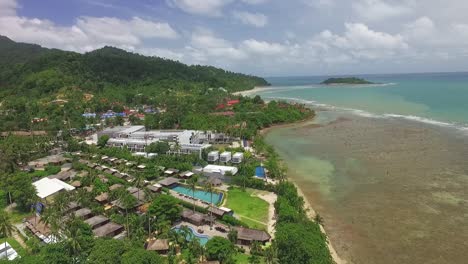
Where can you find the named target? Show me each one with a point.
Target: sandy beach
(255, 90)
(307, 204)
(311, 214)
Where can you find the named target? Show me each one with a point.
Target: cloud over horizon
(265, 37)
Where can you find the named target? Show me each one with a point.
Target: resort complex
(114, 157)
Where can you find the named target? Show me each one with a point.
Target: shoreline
(307, 204)
(311, 215)
(252, 91)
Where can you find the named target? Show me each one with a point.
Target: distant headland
(347, 80)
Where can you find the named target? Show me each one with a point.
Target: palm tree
(127, 201)
(209, 188)
(51, 217)
(193, 186)
(137, 182)
(73, 234)
(6, 226)
(271, 254)
(61, 202)
(318, 219)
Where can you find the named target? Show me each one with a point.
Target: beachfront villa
(225, 157)
(213, 156)
(237, 158)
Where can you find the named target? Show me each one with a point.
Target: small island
(347, 80)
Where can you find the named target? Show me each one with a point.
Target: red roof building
(232, 102)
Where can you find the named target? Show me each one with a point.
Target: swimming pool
(260, 172)
(203, 238)
(199, 194)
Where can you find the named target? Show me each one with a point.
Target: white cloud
(360, 42)
(200, 7)
(374, 10)
(262, 47)
(253, 19)
(163, 53)
(421, 29)
(86, 34)
(204, 45)
(8, 7)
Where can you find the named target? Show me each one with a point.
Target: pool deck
(206, 229)
(189, 199)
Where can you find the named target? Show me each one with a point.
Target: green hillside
(29, 69)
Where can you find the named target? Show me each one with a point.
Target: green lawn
(250, 209)
(14, 244)
(17, 216)
(244, 259)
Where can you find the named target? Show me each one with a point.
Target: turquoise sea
(439, 98)
(385, 165)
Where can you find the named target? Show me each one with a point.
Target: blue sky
(263, 37)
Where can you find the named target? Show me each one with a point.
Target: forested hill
(28, 69)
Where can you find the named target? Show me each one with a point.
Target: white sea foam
(359, 112)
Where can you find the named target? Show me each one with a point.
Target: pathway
(271, 199)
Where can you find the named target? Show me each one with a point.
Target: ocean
(386, 165)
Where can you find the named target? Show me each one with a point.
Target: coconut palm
(73, 235)
(193, 186)
(209, 188)
(6, 226)
(271, 254)
(138, 179)
(127, 201)
(52, 217)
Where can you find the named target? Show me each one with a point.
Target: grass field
(244, 259)
(249, 208)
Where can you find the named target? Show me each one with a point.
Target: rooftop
(107, 229)
(252, 234)
(83, 212)
(46, 187)
(158, 245)
(96, 220)
(168, 181)
(220, 169)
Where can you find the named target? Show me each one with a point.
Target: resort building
(246, 236)
(237, 158)
(213, 156)
(64, 175)
(84, 213)
(97, 221)
(196, 218)
(222, 170)
(110, 229)
(47, 188)
(155, 188)
(161, 246)
(56, 160)
(186, 174)
(7, 252)
(225, 157)
(169, 182)
(102, 198)
(39, 228)
(135, 138)
(219, 212)
(171, 171)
